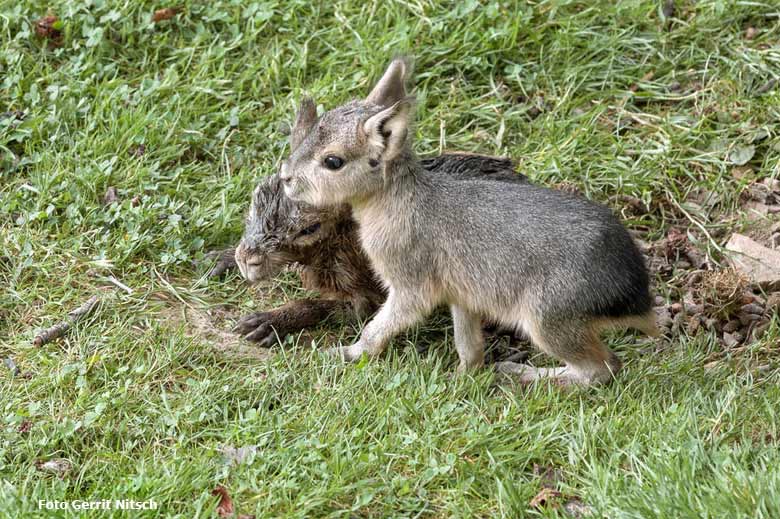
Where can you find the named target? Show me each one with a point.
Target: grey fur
(324, 243)
(558, 266)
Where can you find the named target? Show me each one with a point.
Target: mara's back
(493, 239)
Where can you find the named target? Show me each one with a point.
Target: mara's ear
(307, 116)
(392, 87)
(388, 129)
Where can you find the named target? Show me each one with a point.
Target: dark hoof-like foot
(226, 262)
(260, 327)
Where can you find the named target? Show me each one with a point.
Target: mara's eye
(309, 230)
(333, 162)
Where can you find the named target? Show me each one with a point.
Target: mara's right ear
(307, 116)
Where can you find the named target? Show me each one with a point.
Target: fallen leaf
(237, 455)
(165, 14)
(138, 151)
(110, 197)
(741, 155)
(546, 497)
(24, 427)
(548, 475)
(11, 365)
(742, 172)
(57, 466)
(577, 508)
(647, 77)
(760, 264)
(225, 506)
(49, 27)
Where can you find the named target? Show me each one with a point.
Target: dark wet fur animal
(325, 244)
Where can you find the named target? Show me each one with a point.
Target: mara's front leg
(398, 312)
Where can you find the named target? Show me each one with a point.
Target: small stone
(663, 317)
(746, 318)
(729, 340)
(676, 307)
(732, 326)
(756, 210)
(750, 33)
(752, 308)
(693, 308)
(759, 330)
(747, 298)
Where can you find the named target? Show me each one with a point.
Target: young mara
(324, 243)
(554, 264)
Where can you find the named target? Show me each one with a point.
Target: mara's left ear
(392, 87)
(388, 129)
(304, 120)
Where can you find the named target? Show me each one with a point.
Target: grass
(182, 117)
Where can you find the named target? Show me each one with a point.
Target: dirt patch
(212, 326)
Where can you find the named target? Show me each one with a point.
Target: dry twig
(59, 329)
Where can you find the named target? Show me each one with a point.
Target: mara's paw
(347, 353)
(525, 375)
(516, 373)
(262, 328)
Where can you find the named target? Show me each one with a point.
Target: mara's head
(279, 231)
(344, 154)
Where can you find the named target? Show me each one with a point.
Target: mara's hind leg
(588, 360)
(468, 338)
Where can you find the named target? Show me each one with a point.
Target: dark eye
(333, 162)
(309, 230)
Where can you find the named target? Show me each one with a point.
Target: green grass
(139, 403)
